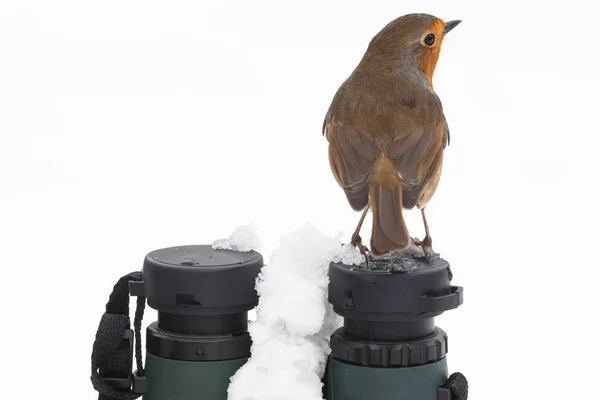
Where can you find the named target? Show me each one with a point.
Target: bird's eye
(429, 39)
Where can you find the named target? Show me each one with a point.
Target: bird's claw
(425, 245)
(356, 241)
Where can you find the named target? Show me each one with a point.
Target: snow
(294, 320)
(244, 238)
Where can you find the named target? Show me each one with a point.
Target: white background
(130, 126)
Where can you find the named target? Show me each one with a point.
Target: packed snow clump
(244, 238)
(294, 320)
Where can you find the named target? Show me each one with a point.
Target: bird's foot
(425, 245)
(356, 241)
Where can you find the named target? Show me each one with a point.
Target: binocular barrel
(200, 339)
(389, 346)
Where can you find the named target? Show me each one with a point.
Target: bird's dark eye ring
(429, 39)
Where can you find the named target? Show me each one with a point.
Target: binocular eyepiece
(200, 340)
(388, 347)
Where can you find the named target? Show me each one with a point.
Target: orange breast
(428, 57)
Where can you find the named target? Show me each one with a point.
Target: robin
(387, 131)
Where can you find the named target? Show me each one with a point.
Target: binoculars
(387, 348)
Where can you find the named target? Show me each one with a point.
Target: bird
(387, 132)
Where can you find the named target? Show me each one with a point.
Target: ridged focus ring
(380, 354)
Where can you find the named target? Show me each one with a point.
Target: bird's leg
(426, 243)
(356, 239)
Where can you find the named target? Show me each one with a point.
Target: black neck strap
(112, 354)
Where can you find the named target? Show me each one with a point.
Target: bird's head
(413, 40)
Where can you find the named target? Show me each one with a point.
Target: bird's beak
(451, 25)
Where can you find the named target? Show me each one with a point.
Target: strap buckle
(139, 383)
(112, 378)
(455, 388)
(444, 394)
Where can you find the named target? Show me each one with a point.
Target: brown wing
(351, 157)
(418, 157)
(409, 126)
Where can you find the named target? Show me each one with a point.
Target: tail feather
(389, 229)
